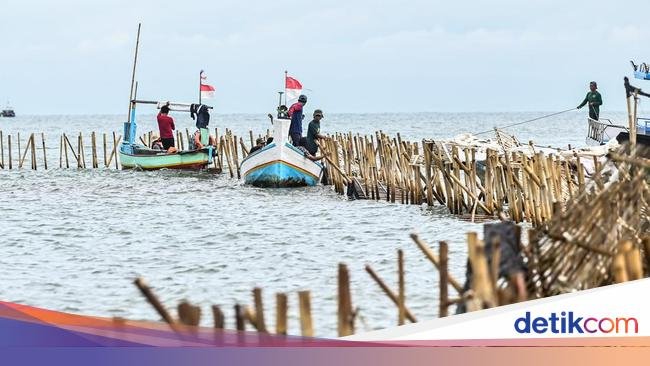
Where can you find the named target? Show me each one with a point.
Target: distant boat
(8, 112)
(280, 164)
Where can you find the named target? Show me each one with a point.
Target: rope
(528, 121)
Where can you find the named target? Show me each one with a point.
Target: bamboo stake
(2, 151)
(153, 300)
(105, 150)
(281, 314)
(239, 318)
(391, 295)
(116, 141)
(306, 326)
(424, 247)
(345, 313)
(189, 314)
(401, 297)
(481, 283)
(33, 144)
(9, 146)
(259, 310)
(236, 156)
(44, 149)
(619, 269)
(632, 261)
(93, 143)
(20, 164)
(444, 277)
(21, 161)
(65, 150)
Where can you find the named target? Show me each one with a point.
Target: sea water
(74, 240)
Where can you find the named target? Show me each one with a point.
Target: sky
(75, 57)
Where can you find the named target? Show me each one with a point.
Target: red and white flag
(293, 89)
(207, 91)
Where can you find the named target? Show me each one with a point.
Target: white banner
(612, 311)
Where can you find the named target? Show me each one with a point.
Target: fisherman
(156, 142)
(295, 113)
(313, 132)
(196, 142)
(259, 144)
(166, 127)
(594, 100)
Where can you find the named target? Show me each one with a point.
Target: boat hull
(187, 160)
(278, 166)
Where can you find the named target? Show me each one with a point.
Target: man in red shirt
(166, 127)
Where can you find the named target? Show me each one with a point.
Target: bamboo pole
(424, 247)
(481, 283)
(20, 164)
(401, 297)
(345, 312)
(65, 141)
(619, 268)
(105, 149)
(259, 310)
(240, 322)
(391, 295)
(189, 314)
(219, 319)
(33, 149)
(9, 146)
(633, 261)
(444, 280)
(2, 151)
(281, 314)
(21, 160)
(153, 300)
(236, 156)
(306, 326)
(116, 141)
(44, 149)
(93, 143)
(79, 151)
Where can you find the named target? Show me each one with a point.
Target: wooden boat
(8, 112)
(138, 156)
(135, 155)
(280, 164)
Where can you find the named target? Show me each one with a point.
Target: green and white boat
(138, 156)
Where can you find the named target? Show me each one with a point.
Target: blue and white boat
(280, 164)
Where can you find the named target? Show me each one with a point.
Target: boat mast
(135, 61)
(200, 82)
(285, 86)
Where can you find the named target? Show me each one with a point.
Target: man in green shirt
(313, 132)
(595, 101)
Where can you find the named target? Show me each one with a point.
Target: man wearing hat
(313, 132)
(259, 144)
(595, 101)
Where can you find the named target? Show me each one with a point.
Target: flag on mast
(207, 91)
(293, 88)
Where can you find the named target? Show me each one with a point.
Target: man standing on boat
(295, 113)
(166, 127)
(313, 132)
(595, 101)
